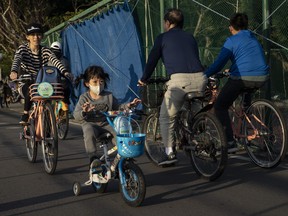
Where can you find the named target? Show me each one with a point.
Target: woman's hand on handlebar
(13, 75)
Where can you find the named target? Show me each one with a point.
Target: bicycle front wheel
(133, 190)
(266, 143)
(62, 122)
(207, 146)
(50, 139)
(153, 145)
(31, 144)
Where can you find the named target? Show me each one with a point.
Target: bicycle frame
(36, 115)
(240, 115)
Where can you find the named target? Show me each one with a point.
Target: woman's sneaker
(24, 118)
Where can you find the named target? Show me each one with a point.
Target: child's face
(95, 81)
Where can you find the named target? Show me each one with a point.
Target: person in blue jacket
(248, 70)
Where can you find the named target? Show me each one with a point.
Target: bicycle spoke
(50, 140)
(268, 147)
(208, 152)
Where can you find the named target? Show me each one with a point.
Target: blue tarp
(109, 40)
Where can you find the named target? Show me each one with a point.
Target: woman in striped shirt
(29, 58)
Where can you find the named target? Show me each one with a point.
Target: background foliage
(207, 20)
(15, 15)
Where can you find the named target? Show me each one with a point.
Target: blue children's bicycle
(130, 144)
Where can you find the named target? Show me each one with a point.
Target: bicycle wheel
(133, 190)
(207, 146)
(50, 139)
(62, 123)
(268, 148)
(153, 144)
(31, 144)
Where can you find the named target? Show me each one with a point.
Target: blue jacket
(178, 51)
(246, 55)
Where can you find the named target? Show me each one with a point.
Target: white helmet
(56, 45)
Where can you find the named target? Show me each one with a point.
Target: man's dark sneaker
(95, 166)
(232, 147)
(24, 119)
(172, 156)
(165, 159)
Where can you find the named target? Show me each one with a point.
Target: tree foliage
(15, 15)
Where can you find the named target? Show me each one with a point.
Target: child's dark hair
(239, 21)
(91, 72)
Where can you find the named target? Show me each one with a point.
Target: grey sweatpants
(91, 132)
(177, 87)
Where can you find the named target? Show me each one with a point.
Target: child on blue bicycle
(93, 102)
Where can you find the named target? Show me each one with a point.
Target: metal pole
(162, 29)
(266, 33)
(146, 30)
(161, 15)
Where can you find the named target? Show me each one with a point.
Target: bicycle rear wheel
(62, 122)
(153, 145)
(269, 147)
(207, 146)
(50, 139)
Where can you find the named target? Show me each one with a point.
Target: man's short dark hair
(174, 16)
(239, 21)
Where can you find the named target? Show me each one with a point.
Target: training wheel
(76, 188)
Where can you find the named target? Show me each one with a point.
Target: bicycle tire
(50, 139)
(62, 123)
(133, 191)
(207, 146)
(269, 147)
(31, 144)
(153, 143)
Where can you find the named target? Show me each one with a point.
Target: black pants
(228, 94)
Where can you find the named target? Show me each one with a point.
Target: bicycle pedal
(24, 124)
(21, 136)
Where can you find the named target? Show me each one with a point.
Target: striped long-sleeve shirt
(27, 62)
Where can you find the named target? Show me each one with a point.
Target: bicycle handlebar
(23, 78)
(220, 75)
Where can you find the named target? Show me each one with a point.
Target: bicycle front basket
(130, 145)
(152, 95)
(45, 90)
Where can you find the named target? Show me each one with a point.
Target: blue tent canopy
(111, 41)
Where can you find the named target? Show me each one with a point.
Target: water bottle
(122, 125)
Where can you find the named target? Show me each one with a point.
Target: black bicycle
(198, 133)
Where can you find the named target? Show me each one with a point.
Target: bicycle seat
(194, 95)
(105, 137)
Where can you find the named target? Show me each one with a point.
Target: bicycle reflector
(45, 89)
